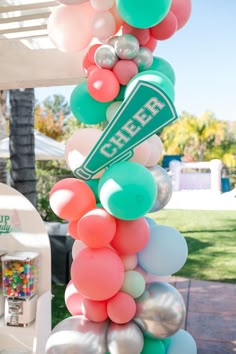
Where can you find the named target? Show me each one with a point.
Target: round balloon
(71, 2)
(182, 10)
(166, 28)
(159, 256)
(124, 339)
(103, 5)
(161, 65)
(142, 35)
(143, 14)
(82, 336)
(103, 85)
(157, 78)
(126, 46)
(105, 57)
(73, 300)
(164, 186)
(121, 308)
(85, 108)
(127, 190)
(144, 59)
(103, 25)
(182, 342)
(152, 345)
(160, 310)
(156, 150)
(134, 284)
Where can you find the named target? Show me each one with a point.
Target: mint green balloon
(161, 65)
(153, 346)
(157, 78)
(143, 13)
(121, 93)
(133, 284)
(93, 184)
(127, 190)
(166, 342)
(86, 109)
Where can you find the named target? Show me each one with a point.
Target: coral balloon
(71, 198)
(85, 108)
(103, 25)
(86, 64)
(121, 308)
(131, 236)
(143, 14)
(94, 310)
(166, 28)
(142, 35)
(151, 44)
(124, 70)
(182, 10)
(72, 229)
(97, 274)
(73, 299)
(103, 5)
(77, 247)
(119, 20)
(70, 27)
(92, 51)
(97, 228)
(103, 85)
(79, 145)
(129, 261)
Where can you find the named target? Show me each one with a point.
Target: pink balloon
(98, 274)
(73, 300)
(151, 44)
(71, 198)
(79, 145)
(121, 308)
(118, 19)
(103, 5)
(91, 68)
(156, 150)
(94, 310)
(72, 229)
(129, 261)
(70, 27)
(97, 228)
(103, 85)
(166, 28)
(142, 35)
(141, 153)
(125, 70)
(78, 246)
(86, 64)
(182, 10)
(103, 25)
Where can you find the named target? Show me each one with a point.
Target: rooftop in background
(29, 58)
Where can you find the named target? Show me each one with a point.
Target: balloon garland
(114, 308)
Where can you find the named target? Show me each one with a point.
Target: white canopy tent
(45, 148)
(27, 56)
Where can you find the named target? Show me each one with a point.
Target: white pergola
(27, 56)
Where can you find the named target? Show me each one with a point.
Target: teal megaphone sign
(145, 111)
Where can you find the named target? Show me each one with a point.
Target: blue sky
(203, 56)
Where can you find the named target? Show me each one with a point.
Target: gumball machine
(20, 272)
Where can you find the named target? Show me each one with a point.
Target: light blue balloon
(166, 251)
(182, 343)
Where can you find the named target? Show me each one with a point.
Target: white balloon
(103, 25)
(182, 343)
(112, 109)
(102, 5)
(156, 148)
(166, 251)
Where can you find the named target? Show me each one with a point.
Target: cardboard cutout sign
(146, 111)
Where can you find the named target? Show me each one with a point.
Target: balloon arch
(113, 306)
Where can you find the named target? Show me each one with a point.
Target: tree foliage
(199, 138)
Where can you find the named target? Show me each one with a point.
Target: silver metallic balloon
(164, 187)
(160, 310)
(127, 46)
(72, 2)
(78, 335)
(112, 40)
(105, 57)
(144, 59)
(124, 338)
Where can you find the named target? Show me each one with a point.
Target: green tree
(198, 138)
(57, 105)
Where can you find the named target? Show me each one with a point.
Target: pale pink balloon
(70, 27)
(129, 261)
(103, 25)
(79, 145)
(102, 5)
(118, 19)
(125, 70)
(77, 247)
(142, 153)
(156, 150)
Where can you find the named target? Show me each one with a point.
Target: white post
(216, 167)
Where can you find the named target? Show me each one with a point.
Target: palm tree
(22, 155)
(3, 173)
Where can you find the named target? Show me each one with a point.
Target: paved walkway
(211, 314)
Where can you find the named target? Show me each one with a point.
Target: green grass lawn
(211, 239)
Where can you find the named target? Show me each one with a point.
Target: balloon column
(114, 309)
